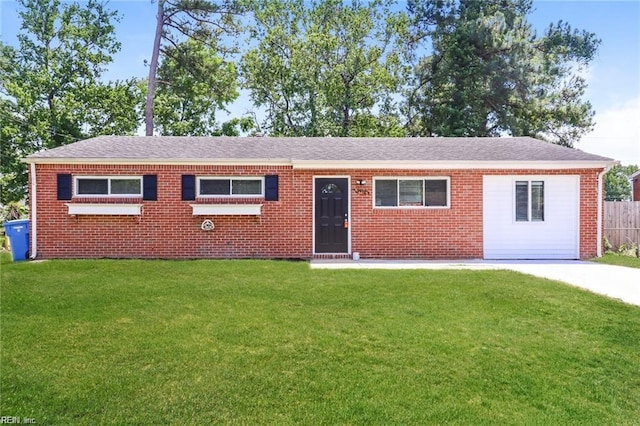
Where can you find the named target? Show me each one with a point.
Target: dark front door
(331, 215)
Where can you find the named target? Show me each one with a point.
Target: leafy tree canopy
(326, 67)
(50, 88)
(193, 83)
(187, 33)
(616, 183)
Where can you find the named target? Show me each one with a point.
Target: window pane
(247, 187)
(386, 192)
(411, 192)
(522, 201)
(93, 187)
(331, 188)
(215, 187)
(537, 201)
(436, 192)
(125, 186)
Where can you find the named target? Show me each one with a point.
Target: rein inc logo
(17, 420)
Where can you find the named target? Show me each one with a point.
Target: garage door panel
(531, 255)
(554, 238)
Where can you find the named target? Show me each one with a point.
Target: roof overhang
(334, 165)
(441, 165)
(159, 161)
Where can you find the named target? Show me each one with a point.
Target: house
(400, 198)
(635, 186)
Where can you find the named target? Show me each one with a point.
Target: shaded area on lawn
(156, 342)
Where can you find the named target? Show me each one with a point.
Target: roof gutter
(34, 213)
(599, 219)
(444, 165)
(333, 164)
(160, 161)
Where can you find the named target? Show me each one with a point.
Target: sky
(613, 76)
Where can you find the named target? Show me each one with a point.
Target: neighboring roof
(315, 152)
(634, 174)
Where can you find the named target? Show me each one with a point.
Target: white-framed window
(108, 186)
(412, 192)
(529, 200)
(230, 186)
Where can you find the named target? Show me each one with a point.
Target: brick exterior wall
(167, 229)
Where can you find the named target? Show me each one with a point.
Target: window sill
(104, 209)
(226, 209)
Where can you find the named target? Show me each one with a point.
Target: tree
(202, 21)
(616, 183)
(326, 67)
(193, 83)
(50, 88)
(489, 74)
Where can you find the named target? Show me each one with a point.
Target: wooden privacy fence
(622, 222)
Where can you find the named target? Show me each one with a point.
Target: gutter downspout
(600, 213)
(33, 214)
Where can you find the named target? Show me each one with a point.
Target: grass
(266, 342)
(617, 259)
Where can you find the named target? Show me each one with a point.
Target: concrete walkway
(618, 282)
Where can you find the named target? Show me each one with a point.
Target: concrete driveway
(618, 282)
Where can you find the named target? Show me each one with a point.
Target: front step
(331, 256)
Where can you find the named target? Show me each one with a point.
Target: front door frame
(313, 211)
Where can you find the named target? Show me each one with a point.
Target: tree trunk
(153, 69)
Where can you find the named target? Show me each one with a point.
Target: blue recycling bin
(18, 233)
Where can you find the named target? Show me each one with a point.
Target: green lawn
(616, 259)
(266, 342)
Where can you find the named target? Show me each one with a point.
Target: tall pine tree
(489, 74)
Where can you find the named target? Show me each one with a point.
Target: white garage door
(531, 217)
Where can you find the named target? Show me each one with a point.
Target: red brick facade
(168, 229)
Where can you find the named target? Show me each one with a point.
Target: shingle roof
(176, 149)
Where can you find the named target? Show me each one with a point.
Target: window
(529, 198)
(230, 187)
(108, 186)
(412, 192)
(331, 188)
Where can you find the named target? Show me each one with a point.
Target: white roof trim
(335, 165)
(161, 161)
(441, 165)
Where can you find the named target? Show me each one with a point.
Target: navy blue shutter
(271, 188)
(188, 187)
(150, 187)
(64, 186)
